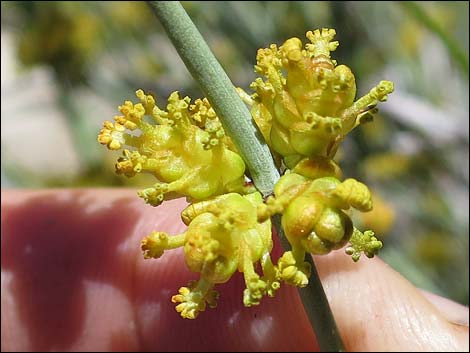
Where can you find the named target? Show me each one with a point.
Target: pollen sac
(183, 146)
(305, 105)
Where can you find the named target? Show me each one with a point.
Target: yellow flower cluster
(314, 218)
(183, 146)
(223, 236)
(304, 108)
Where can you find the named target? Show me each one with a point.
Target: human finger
(377, 309)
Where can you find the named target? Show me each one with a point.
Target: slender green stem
(457, 53)
(216, 85)
(238, 123)
(319, 313)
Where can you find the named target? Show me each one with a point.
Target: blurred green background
(66, 66)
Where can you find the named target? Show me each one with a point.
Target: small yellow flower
(363, 242)
(130, 163)
(132, 112)
(192, 299)
(305, 106)
(313, 216)
(155, 244)
(112, 135)
(184, 148)
(223, 236)
(126, 123)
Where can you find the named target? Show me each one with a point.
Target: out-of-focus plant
(61, 36)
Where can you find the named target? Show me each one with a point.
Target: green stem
(456, 52)
(216, 85)
(238, 123)
(319, 313)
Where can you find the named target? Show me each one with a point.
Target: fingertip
(378, 309)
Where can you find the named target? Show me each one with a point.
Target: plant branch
(238, 123)
(216, 85)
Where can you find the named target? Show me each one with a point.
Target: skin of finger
(378, 310)
(108, 298)
(73, 278)
(66, 270)
(454, 312)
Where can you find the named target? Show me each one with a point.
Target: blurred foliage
(414, 156)
(61, 36)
